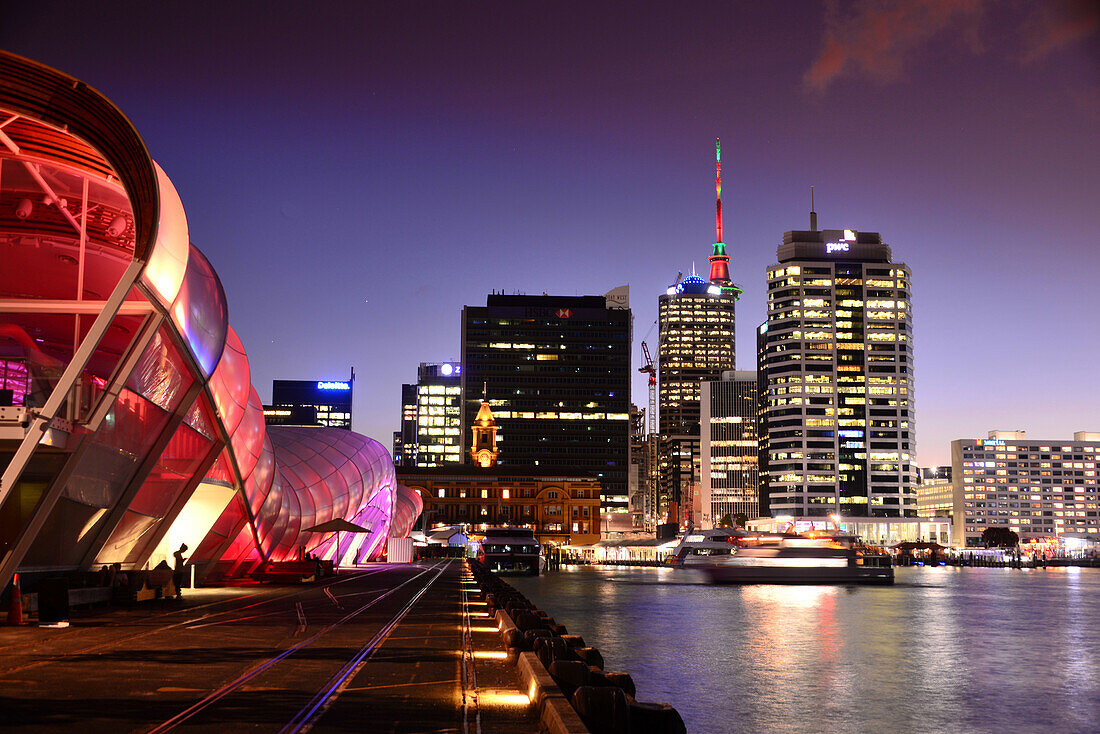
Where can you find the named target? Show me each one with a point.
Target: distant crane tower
(651, 414)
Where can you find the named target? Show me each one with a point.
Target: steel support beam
(29, 532)
(68, 378)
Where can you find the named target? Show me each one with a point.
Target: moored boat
(509, 550)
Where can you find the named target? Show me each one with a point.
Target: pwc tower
(837, 353)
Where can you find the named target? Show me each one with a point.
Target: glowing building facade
(129, 422)
(838, 359)
(439, 415)
(1043, 490)
(729, 448)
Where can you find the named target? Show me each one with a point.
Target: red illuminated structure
(719, 260)
(128, 421)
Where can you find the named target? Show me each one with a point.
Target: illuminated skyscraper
(438, 415)
(730, 476)
(696, 324)
(839, 359)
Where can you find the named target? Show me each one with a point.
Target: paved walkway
(402, 648)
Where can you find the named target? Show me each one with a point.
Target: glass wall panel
(200, 311)
(98, 481)
(179, 464)
(228, 525)
(230, 384)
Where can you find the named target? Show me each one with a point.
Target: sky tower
(719, 260)
(695, 318)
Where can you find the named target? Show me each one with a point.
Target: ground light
(503, 698)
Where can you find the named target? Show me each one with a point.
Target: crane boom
(651, 414)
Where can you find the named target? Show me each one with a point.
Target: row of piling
(566, 678)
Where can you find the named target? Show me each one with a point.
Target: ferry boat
(509, 550)
(807, 558)
(703, 547)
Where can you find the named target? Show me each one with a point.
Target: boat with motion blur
(698, 548)
(802, 558)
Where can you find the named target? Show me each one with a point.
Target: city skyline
(578, 160)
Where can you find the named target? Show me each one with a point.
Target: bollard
(15, 609)
(603, 709)
(655, 718)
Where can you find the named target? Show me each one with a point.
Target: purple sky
(358, 172)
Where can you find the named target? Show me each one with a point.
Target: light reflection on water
(943, 650)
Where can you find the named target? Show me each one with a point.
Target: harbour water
(942, 650)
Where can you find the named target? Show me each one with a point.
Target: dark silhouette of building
(556, 371)
(328, 401)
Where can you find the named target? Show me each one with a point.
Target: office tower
(1046, 491)
(637, 483)
(728, 447)
(839, 360)
(439, 414)
(762, 417)
(311, 402)
(404, 439)
(556, 371)
(696, 343)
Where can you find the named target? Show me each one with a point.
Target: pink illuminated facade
(128, 421)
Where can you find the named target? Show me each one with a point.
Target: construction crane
(651, 414)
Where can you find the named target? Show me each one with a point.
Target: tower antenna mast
(813, 211)
(720, 261)
(718, 190)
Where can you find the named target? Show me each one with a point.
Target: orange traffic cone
(15, 609)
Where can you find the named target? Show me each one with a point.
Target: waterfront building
(935, 496)
(729, 448)
(329, 401)
(438, 414)
(131, 424)
(1040, 489)
(839, 360)
(883, 531)
(560, 508)
(695, 318)
(556, 371)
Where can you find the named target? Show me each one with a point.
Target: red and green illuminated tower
(719, 261)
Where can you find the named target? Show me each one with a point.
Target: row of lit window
(546, 415)
(439, 390)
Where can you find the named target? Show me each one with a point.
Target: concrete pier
(382, 648)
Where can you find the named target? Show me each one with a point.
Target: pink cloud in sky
(876, 37)
(1059, 24)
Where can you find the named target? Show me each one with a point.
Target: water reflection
(943, 650)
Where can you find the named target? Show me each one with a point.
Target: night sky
(357, 172)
